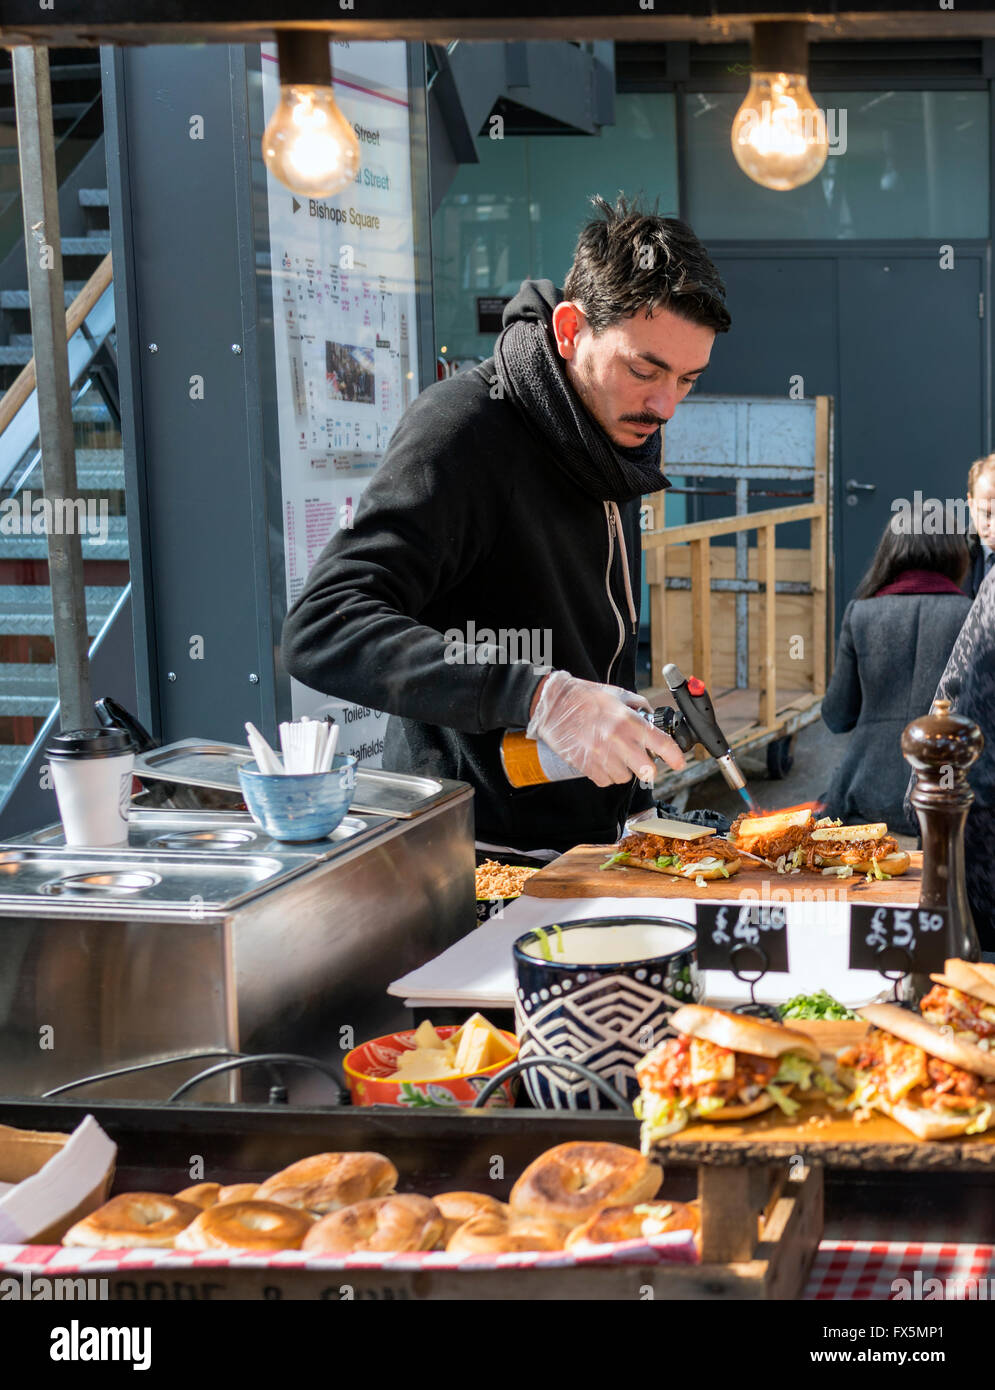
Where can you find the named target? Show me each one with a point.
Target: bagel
(572, 1181)
(239, 1192)
(494, 1234)
(202, 1194)
(134, 1219)
(328, 1182)
(459, 1207)
(259, 1226)
(401, 1222)
(646, 1219)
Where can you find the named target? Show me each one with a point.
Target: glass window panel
(518, 211)
(910, 164)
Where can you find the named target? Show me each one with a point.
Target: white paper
(59, 1186)
(479, 970)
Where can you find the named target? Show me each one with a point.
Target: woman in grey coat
(897, 635)
(969, 684)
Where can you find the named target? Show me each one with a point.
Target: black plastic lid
(89, 743)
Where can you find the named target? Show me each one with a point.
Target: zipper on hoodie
(610, 516)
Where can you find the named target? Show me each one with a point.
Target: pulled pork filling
(848, 851)
(673, 1073)
(901, 1071)
(645, 846)
(946, 1006)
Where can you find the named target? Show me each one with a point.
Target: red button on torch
(695, 686)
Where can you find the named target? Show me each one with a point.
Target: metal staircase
(28, 691)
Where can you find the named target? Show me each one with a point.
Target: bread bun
(572, 1181)
(968, 978)
(892, 864)
(644, 1220)
(329, 1182)
(731, 866)
(259, 1226)
(134, 1219)
(460, 1207)
(402, 1222)
(493, 1234)
(760, 1037)
(914, 1029)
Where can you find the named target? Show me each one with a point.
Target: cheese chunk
(710, 1062)
(426, 1036)
(653, 824)
(426, 1064)
(480, 1045)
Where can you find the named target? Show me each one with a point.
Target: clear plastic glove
(595, 729)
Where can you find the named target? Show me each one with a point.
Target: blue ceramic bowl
(588, 1007)
(299, 806)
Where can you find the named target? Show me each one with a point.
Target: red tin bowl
(371, 1073)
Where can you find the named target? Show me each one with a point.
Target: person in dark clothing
(981, 501)
(507, 505)
(896, 637)
(968, 682)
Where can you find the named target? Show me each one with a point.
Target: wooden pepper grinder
(940, 748)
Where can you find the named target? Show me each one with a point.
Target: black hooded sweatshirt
(472, 522)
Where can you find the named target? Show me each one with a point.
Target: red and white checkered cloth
(871, 1269)
(842, 1269)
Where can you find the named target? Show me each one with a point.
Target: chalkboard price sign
(751, 938)
(897, 939)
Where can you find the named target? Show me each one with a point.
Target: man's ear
(568, 320)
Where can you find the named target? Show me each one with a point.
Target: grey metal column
(43, 247)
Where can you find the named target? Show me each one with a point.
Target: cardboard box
(48, 1181)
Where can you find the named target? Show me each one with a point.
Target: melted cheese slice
(905, 1067)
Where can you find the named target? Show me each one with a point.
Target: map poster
(344, 324)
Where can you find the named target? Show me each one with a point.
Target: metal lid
(89, 743)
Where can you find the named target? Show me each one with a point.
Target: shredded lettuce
(707, 1105)
(827, 1084)
(794, 1067)
(622, 857)
(664, 861)
(660, 1116)
(788, 1106)
(981, 1121)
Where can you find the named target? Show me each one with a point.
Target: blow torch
(528, 763)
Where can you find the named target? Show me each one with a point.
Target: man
(981, 502)
(508, 501)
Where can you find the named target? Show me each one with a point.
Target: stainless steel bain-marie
(206, 935)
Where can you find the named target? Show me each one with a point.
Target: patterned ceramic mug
(599, 991)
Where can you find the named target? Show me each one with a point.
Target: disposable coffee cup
(92, 770)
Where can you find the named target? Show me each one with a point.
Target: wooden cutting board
(578, 874)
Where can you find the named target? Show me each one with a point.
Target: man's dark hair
(629, 261)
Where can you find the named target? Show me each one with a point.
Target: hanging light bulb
(779, 135)
(309, 145)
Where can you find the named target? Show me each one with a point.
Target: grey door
(913, 370)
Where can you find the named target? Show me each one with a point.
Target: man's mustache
(642, 419)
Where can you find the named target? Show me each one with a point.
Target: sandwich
(774, 837)
(963, 999)
(723, 1066)
(674, 847)
(847, 849)
(794, 840)
(933, 1082)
